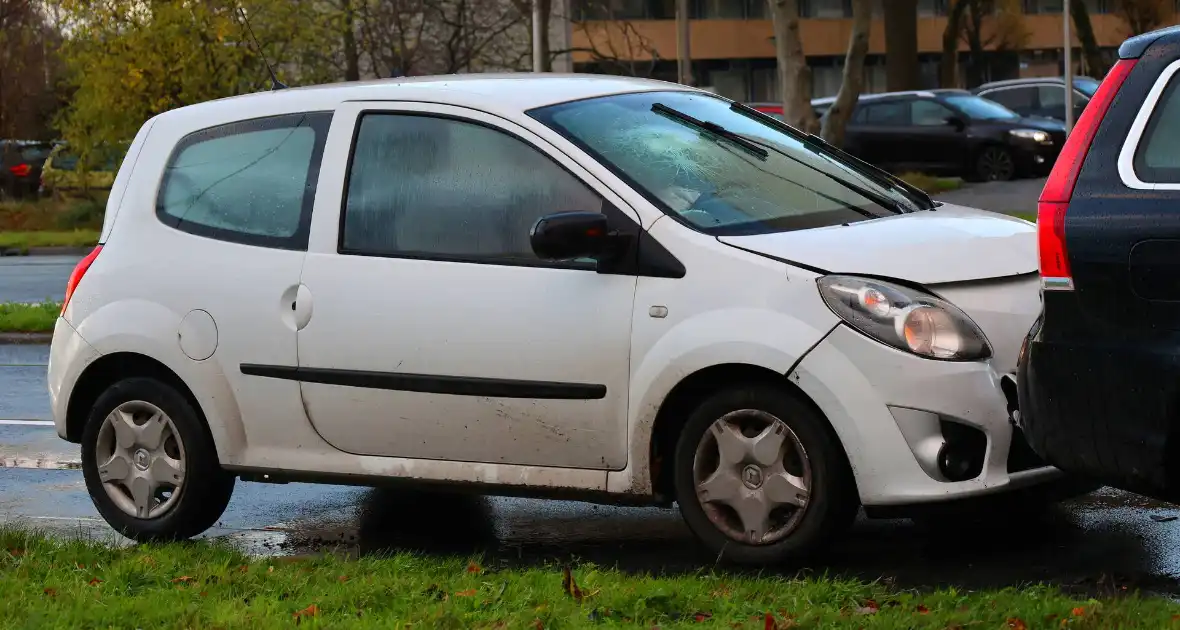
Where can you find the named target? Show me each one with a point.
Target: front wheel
(760, 477)
(150, 466)
(994, 164)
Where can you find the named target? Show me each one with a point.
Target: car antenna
(275, 84)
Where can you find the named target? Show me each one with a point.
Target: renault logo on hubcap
(142, 459)
(752, 477)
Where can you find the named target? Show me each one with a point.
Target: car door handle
(302, 307)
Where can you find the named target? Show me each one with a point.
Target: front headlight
(905, 318)
(1032, 134)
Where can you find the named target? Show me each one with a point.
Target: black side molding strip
(430, 384)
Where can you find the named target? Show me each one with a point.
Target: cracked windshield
(722, 170)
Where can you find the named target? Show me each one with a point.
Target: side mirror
(568, 235)
(958, 123)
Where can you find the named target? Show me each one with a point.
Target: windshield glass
(714, 183)
(979, 108)
(1086, 86)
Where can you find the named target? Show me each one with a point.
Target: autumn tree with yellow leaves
(129, 60)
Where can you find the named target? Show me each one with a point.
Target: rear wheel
(150, 465)
(760, 478)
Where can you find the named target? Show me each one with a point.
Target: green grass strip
(18, 317)
(47, 583)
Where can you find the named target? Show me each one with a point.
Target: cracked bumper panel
(889, 407)
(69, 355)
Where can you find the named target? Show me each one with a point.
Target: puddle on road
(42, 463)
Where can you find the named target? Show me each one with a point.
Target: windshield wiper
(882, 177)
(712, 128)
(881, 200)
(818, 144)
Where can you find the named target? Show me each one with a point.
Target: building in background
(733, 48)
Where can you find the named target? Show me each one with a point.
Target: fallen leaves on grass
(310, 611)
(923, 610)
(467, 593)
(184, 579)
(870, 607)
(770, 623)
(95, 582)
(16, 552)
(569, 585)
(474, 568)
(1078, 612)
(52, 592)
(342, 579)
(1016, 623)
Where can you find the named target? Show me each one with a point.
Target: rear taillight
(21, 170)
(76, 277)
(1058, 190)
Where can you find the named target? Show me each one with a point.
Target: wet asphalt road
(34, 278)
(1100, 543)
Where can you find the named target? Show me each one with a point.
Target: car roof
(828, 100)
(1134, 47)
(1031, 81)
(511, 93)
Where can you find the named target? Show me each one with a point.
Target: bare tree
(793, 72)
(613, 46)
(901, 44)
(1095, 64)
(27, 69)
(1142, 16)
(948, 64)
(836, 118)
(985, 26)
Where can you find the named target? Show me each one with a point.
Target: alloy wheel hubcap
(752, 477)
(141, 460)
(997, 165)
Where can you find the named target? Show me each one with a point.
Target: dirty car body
(604, 288)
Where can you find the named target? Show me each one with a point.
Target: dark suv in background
(20, 167)
(951, 132)
(1043, 97)
(1099, 374)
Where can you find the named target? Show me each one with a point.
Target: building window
(1043, 6)
(623, 10)
(825, 8)
(931, 8)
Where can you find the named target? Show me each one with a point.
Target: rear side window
(896, 113)
(1016, 99)
(1157, 158)
(250, 182)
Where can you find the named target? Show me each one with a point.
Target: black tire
(994, 164)
(206, 489)
(833, 501)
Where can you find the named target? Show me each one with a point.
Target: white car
(592, 287)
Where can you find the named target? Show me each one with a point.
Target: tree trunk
(1095, 65)
(948, 66)
(546, 7)
(852, 82)
(901, 45)
(352, 56)
(794, 75)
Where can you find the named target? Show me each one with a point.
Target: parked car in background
(1099, 376)
(64, 174)
(701, 306)
(949, 132)
(21, 162)
(1044, 97)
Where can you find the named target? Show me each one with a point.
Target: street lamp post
(1068, 56)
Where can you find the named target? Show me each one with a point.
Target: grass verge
(17, 317)
(24, 240)
(74, 584)
(931, 184)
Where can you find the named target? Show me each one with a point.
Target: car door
(881, 138)
(437, 333)
(935, 142)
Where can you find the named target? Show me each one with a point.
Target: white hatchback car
(591, 287)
